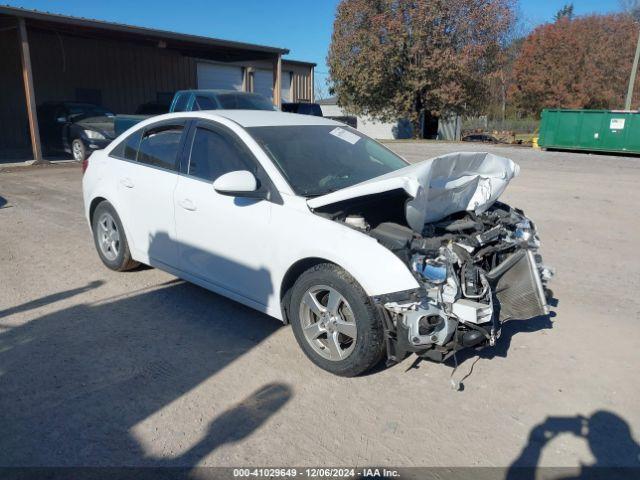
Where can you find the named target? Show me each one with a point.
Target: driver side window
(214, 154)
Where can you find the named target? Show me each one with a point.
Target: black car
(74, 127)
(302, 108)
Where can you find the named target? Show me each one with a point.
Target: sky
(302, 26)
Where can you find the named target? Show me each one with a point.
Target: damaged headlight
(476, 271)
(432, 270)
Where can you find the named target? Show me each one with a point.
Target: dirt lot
(139, 368)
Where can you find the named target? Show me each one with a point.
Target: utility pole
(632, 78)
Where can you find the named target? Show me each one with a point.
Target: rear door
(146, 186)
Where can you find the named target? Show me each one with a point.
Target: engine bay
(476, 270)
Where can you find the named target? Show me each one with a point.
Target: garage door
(286, 86)
(213, 75)
(263, 83)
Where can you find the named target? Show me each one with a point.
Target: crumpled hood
(438, 187)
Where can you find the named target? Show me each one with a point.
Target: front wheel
(335, 322)
(78, 150)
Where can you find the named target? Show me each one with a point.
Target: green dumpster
(591, 130)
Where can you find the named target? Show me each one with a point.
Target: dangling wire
(455, 385)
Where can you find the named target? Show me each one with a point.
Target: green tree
(395, 59)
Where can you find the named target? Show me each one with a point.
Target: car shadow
(510, 329)
(609, 437)
(75, 382)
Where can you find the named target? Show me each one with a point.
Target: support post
(293, 93)
(632, 78)
(27, 77)
(313, 85)
(245, 79)
(277, 81)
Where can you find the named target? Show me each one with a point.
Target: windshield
(244, 101)
(319, 159)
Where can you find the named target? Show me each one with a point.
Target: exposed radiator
(518, 288)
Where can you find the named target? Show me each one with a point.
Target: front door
(221, 238)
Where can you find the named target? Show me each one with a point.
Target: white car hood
(438, 187)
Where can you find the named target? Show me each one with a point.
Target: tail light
(85, 165)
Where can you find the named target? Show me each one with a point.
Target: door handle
(126, 182)
(187, 204)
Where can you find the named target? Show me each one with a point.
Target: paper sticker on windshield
(345, 135)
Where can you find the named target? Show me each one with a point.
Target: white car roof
(265, 118)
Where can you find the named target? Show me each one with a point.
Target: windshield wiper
(326, 192)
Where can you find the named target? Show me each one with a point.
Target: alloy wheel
(76, 149)
(328, 322)
(108, 236)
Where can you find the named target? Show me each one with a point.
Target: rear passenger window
(203, 103)
(159, 146)
(214, 154)
(181, 102)
(128, 148)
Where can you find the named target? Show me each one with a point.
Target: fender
(94, 186)
(375, 267)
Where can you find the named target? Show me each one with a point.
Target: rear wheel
(334, 321)
(110, 239)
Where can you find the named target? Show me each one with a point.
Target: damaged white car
(313, 223)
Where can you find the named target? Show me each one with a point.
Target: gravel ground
(103, 368)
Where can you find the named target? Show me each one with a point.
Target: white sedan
(311, 222)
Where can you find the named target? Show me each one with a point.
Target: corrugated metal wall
(122, 74)
(14, 128)
(126, 74)
(301, 87)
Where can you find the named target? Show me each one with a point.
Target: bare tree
(321, 88)
(632, 7)
(565, 12)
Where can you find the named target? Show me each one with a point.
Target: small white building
(402, 128)
(368, 126)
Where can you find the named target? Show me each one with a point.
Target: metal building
(47, 57)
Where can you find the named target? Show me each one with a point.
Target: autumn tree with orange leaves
(395, 59)
(583, 62)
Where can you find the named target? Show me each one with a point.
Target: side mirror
(241, 183)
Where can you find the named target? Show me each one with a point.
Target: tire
(78, 150)
(353, 356)
(116, 255)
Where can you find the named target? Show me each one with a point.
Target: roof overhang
(193, 44)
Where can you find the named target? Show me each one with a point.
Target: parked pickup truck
(194, 100)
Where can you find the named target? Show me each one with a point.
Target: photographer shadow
(609, 436)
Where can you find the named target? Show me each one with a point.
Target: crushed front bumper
(415, 322)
